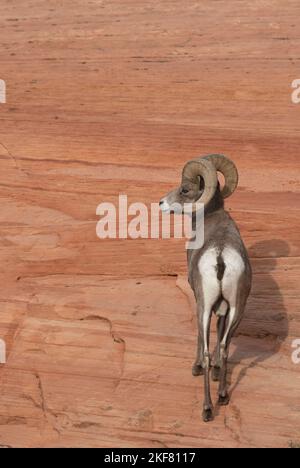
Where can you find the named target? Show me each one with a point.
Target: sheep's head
(200, 182)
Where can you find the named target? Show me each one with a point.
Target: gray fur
(219, 274)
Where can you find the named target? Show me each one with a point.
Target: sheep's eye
(184, 190)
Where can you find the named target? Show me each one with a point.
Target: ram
(219, 272)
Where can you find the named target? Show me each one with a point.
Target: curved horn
(204, 168)
(229, 171)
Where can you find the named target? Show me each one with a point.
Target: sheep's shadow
(265, 324)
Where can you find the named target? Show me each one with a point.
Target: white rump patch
(234, 267)
(213, 288)
(210, 284)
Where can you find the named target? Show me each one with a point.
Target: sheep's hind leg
(217, 358)
(204, 325)
(210, 292)
(207, 414)
(235, 316)
(232, 291)
(197, 368)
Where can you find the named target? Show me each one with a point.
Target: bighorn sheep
(219, 272)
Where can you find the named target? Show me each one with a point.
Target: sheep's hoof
(197, 370)
(215, 374)
(207, 414)
(223, 400)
